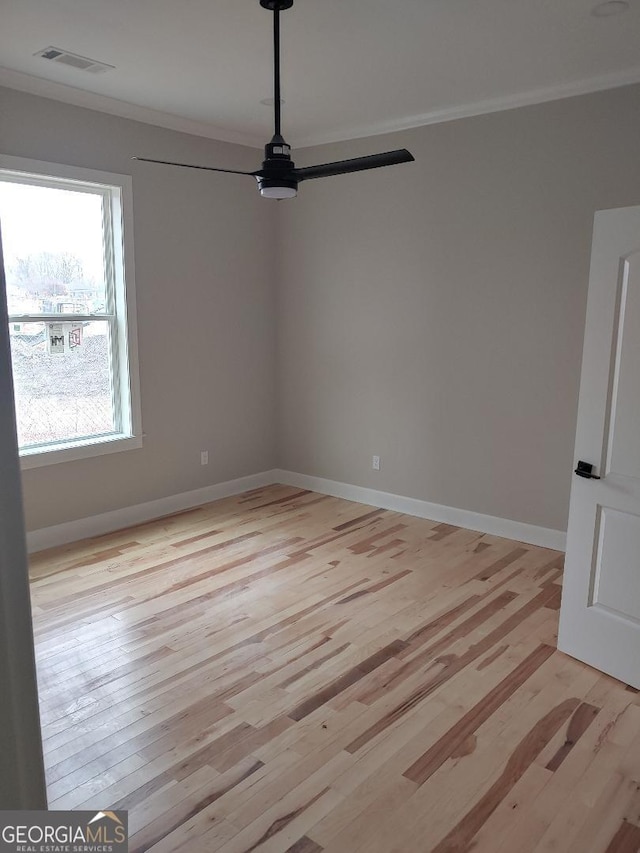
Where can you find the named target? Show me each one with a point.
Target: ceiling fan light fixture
(278, 189)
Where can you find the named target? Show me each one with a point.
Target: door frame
(22, 781)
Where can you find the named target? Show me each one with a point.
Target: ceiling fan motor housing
(272, 5)
(277, 167)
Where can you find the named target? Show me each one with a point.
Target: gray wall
(433, 313)
(204, 278)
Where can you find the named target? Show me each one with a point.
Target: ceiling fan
(279, 177)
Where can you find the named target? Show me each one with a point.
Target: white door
(22, 782)
(600, 613)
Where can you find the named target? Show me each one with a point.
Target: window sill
(39, 457)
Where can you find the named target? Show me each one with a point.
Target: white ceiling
(350, 67)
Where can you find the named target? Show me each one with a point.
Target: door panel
(624, 447)
(616, 584)
(600, 612)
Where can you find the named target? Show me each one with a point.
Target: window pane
(62, 377)
(53, 249)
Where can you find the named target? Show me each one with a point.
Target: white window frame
(121, 304)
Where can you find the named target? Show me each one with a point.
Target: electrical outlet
(375, 464)
(204, 457)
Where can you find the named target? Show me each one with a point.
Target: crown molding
(491, 105)
(102, 103)
(91, 100)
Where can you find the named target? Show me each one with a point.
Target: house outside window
(68, 257)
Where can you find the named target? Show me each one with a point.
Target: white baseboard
(505, 527)
(107, 522)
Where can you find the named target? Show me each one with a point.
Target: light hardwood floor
(287, 671)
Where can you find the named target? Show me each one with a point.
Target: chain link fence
(61, 396)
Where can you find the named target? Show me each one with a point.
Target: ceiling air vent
(55, 54)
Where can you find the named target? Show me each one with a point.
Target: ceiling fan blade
(191, 166)
(358, 164)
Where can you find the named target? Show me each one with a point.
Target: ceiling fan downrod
(276, 6)
(281, 182)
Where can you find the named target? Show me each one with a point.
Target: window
(66, 236)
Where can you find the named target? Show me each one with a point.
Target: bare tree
(47, 273)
